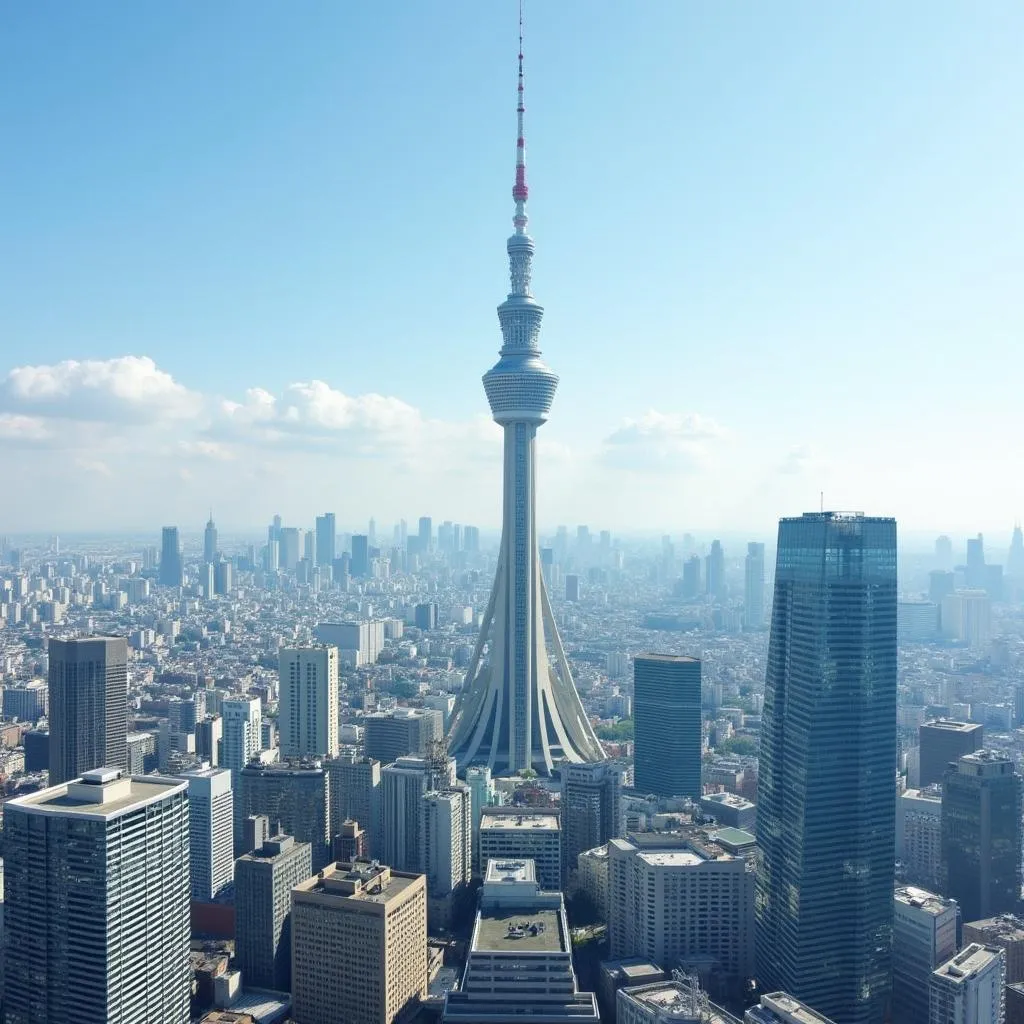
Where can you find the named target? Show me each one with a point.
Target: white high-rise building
(211, 831)
(403, 785)
(968, 989)
(515, 711)
(478, 778)
(242, 740)
(97, 902)
(308, 717)
(446, 847)
(924, 936)
(675, 897)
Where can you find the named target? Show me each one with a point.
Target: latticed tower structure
(516, 711)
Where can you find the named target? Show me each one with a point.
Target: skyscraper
(326, 532)
(667, 723)
(96, 917)
(308, 719)
(88, 694)
(943, 742)
(426, 535)
(242, 740)
(360, 565)
(513, 712)
(714, 571)
(210, 541)
(354, 785)
(826, 786)
(591, 809)
(981, 834)
(753, 587)
(403, 786)
(171, 574)
(211, 830)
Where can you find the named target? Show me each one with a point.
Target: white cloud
(213, 450)
(14, 427)
(129, 389)
(662, 441)
(802, 459)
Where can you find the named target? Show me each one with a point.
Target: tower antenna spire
(520, 192)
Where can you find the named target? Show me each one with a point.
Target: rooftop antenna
(822, 495)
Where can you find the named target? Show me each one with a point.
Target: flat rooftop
(667, 657)
(967, 963)
(922, 899)
(672, 858)
(729, 800)
(519, 821)
(1005, 926)
(780, 1003)
(505, 869)
(99, 796)
(950, 726)
(519, 931)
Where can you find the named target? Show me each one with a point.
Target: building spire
(520, 192)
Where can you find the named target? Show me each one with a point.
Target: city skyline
(760, 271)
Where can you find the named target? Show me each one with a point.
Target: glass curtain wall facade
(826, 787)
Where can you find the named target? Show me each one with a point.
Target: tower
(88, 692)
(753, 587)
(514, 711)
(170, 558)
(210, 540)
(826, 786)
(326, 533)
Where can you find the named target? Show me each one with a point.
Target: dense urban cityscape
(420, 771)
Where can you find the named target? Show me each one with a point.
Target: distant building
(924, 937)
(26, 703)
(404, 732)
(691, 578)
(264, 880)
(667, 723)
(943, 743)
(968, 989)
(591, 808)
(917, 622)
(364, 637)
(520, 956)
(88, 698)
(326, 534)
(753, 587)
(171, 573)
(210, 541)
(1005, 932)
(572, 587)
(967, 617)
(730, 810)
(425, 616)
(981, 834)
(359, 945)
(308, 714)
(518, 834)
(669, 896)
(296, 796)
(714, 572)
(211, 831)
(96, 886)
(403, 787)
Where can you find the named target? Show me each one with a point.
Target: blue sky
(779, 245)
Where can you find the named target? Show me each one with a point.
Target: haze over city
(254, 253)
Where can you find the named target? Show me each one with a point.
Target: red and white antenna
(520, 192)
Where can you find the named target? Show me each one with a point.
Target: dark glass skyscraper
(326, 531)
(667, 723)
(88, 684)
(170, 558)
(981, 834)
(826, 785)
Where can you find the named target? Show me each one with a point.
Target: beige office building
(308, 719)
(359, 945)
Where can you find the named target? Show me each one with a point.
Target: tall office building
(360, 565)
(943, 743)
(354, 784)
(241, 740)
(446, 851)
(968, 989)
(667, 723)
(264, 880)
(171, 572)
(96, 912)
(88, 698)
(294, 795)
(521, 834)
(924, 937)
(981, 834)
(403, 786)
(359, 945)
(211, 832)
(482, 794)
(210, 541)
(403, 732)
(919, 836)
(691, 578)
(753, 587)
(975, 568)
(326, 534)
(826, 785)
(308, 716)
(1015, 559)
(426, 535)
(514, 712)
(714, 572)
(591, 808)
(519, 966)
(676, 897)
(289, 546)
